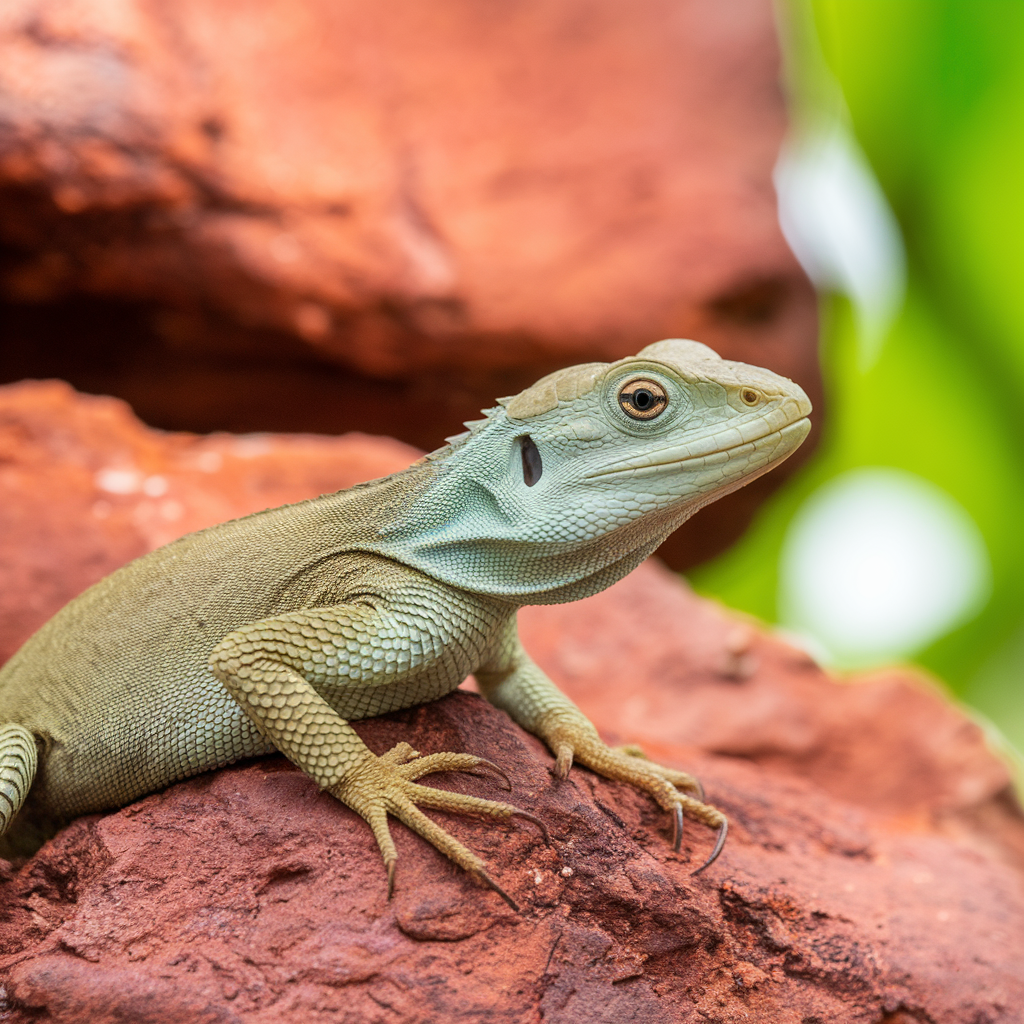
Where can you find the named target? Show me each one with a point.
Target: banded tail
(17, 770)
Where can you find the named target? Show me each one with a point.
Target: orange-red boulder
(874, 871)
(332, 215)
(394, 183)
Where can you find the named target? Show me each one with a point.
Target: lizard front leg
(513, 682)
(367, 660)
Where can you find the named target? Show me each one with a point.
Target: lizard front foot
(385, 785)
(574, 738)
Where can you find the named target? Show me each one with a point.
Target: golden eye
(750, 396)
(642, 399)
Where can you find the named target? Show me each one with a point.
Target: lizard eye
(642, 399)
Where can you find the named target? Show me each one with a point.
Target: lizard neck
(463, 532)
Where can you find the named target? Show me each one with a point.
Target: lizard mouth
(774, 444)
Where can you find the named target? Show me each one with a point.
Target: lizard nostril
(750, 396)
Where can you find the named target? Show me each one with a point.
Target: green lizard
(275, 631)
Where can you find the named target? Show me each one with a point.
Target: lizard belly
(91, 765)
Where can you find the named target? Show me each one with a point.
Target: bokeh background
(902, 190)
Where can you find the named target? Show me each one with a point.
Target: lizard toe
(428, 764)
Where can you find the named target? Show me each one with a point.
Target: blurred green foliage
(934, 91)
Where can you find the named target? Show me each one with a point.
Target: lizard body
(273, 632)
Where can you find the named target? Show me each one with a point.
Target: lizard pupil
(642, 399)
(532, 464)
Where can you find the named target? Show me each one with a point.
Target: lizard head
(675, 426)
(582, 475)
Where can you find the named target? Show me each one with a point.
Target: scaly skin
(277, 630)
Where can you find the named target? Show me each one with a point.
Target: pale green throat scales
(274, 632)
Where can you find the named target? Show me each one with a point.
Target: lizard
(275, 631)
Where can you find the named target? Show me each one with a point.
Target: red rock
(247, 895)
(448, 200)
(873, 872)
(583, 177)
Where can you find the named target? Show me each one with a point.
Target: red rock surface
(309, 198)
(874, 872)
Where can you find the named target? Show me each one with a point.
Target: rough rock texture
(245, 215)
(874, 872)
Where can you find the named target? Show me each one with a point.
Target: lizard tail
(17, 770)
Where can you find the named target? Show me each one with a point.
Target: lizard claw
(677, 828)
(487, 880)
(517, 813)
(719, 843)
(563, 761)
(391, 865)
(483, 762)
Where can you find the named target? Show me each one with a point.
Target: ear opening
(533, 465)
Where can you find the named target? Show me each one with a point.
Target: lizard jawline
(797, 427)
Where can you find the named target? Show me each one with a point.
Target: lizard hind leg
(18, 761)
